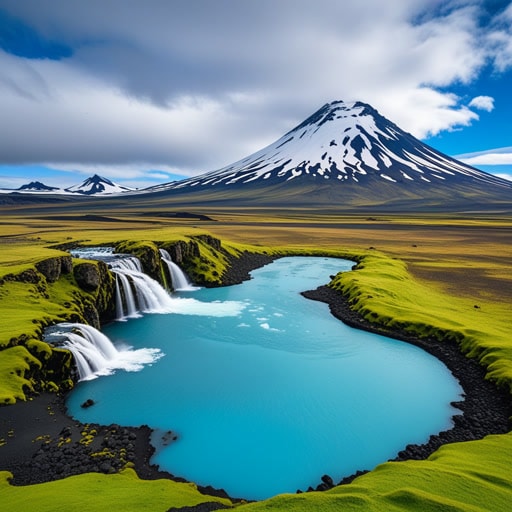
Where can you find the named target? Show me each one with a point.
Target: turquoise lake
(266, 390)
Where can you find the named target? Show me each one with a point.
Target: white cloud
(498, 156)
(499, 40)
(483, 103)
(489, 159)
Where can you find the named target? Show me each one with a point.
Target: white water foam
(96, 355)
(186, 306)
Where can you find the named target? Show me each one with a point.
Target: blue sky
(147, 91)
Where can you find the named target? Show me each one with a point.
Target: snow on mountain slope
(340, 143)
(97, 185)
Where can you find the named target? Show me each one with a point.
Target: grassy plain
(425, 272)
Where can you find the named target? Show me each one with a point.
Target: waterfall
(94, 353)
(122, 283)
(180, 281)
(140, 292)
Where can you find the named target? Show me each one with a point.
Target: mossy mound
(96, 492)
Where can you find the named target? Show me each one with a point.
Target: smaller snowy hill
(34, 188)
(37, 186)
(97, 185)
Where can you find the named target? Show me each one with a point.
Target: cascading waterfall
(94, 353)
(140, 292)
(123, 283)
(180, 281)
(136, 292)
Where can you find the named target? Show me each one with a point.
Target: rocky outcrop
(87, 276)
(52, 268)
(210, 240)
(96, 279)
(150, 261)
(27, 276)
(59, 292)
(209, 264)
(182, 251)
(105, 298)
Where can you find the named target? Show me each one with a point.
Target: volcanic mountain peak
(97, 185)
(344, 143)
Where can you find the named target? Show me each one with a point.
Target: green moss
(97, 492)
(43, 304)
(39, 348)
(15, 363)
(209, 267)
(50, 386)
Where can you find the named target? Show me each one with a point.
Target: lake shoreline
(36, 432)
(485, 409)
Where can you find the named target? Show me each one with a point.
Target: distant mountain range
(93, 186)
(344, 156)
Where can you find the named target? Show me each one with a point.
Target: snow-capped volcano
(97, 185)
(346, 150)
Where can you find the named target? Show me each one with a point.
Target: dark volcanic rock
(210, 240)
(87, 276)
(181, 251)
(52, 268)
(27, 276)
(66, 264)
(209, 506)
(240, 268)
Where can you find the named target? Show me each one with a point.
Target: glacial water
(272, 392)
